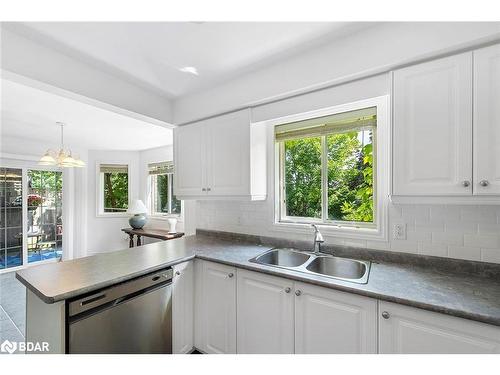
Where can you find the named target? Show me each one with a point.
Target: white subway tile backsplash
(446, 238)
(465, 232)
(462, 252)
(482, 240)
(490, 255)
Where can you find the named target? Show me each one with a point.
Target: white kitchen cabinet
(487, 121)
(226, 158)
(265, 311)
(192, 160)
(215, 307)
(330, 321)
(432, 128)
(183, 308)
(408, 330)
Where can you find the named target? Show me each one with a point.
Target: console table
(160, 234)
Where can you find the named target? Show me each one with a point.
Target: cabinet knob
(298, 293)
(288, 289)
(230, 275)
(465, 183)
(484, 183)
(178, 273)
(208, 189)
(203, 189)
(386, 315)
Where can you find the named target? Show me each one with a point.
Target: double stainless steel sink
(345, 269)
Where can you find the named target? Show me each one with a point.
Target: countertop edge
(79, 292)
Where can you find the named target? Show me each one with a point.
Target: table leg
(139, 243)
(131, 241)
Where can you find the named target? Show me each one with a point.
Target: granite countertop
(452, 290)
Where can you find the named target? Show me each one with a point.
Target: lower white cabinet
(183, 308)
(330, 321)
(408, 330)
(265, 312)
(215, 307)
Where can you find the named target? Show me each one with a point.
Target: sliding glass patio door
(32, 197)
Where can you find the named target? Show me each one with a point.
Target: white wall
(371, 51)
(467, 232)
(104, 233)
(42, 62)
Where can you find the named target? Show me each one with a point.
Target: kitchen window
(113, 189)
(327, 169)
(162, 200)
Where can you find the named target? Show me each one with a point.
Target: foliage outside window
(327, 169)
(161, 182)
(114, 185)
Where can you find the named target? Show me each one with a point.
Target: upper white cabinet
(432, 128)
(215, 308)
(446, 130)
(221, 158)
(265, 314)
(407, 330)
(333, 322)
(487, 121)
(183, 308)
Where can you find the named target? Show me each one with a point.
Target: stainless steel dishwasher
(132, 317)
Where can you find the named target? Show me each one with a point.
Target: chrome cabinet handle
(298, 293)
(386, 315)
(203, 189)
(465, 183)
(484, 183)
(178, 273)
(208, 189)
(230, 275)
(288, 289)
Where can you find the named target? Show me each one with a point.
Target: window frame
(100, 189)
(357, 230)
(151, 197)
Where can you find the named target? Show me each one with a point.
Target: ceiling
(30, 113)
(150, 54)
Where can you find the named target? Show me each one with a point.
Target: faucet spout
(318, 240)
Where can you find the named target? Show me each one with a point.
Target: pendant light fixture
(62, 158)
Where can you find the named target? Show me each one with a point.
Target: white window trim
(382, 173)
(160, 216)
(99, 182)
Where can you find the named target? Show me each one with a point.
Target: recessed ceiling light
(190, 70)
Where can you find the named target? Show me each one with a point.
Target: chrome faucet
(318, 240)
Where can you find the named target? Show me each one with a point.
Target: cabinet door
(190, 160)
(182, 308)
(409, 330)
(329, 321)
(216, 308)
(432, 128)
(487, 121)
(228, 154)
(265, 314)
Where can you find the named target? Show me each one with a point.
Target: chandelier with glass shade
(62, 158)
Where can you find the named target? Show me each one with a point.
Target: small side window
(162, 201)
(113, 188)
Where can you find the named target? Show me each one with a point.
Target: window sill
(166, 217)
(113, 215)
(376, 234)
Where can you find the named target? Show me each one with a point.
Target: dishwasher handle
(119, 292)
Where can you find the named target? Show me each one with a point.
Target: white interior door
(265, 311)
(487, 121)
(329, 321)
(228, 154)
(432, 128)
